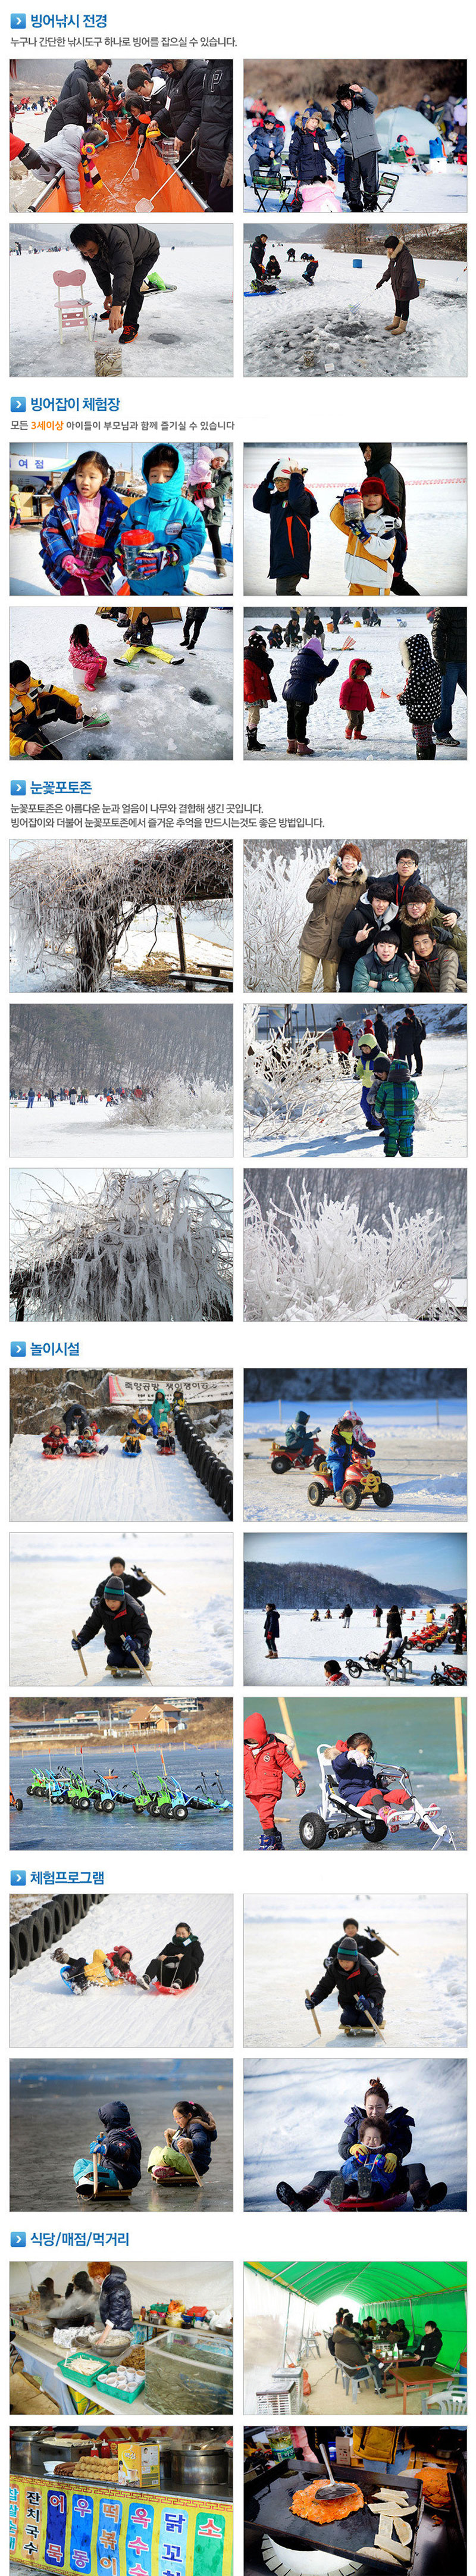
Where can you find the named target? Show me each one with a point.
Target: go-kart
(103, 1792)
(337, 1819)
(449, 1677)
(17, 1803)
(391, 1668)
(361, 1480)
(282, 1459)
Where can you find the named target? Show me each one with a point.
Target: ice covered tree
(75, 902)
(140, 1247)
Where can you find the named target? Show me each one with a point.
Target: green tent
(413, 2291)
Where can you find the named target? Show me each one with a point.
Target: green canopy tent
(413, 2291)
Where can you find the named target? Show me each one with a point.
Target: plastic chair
(73, 313)
(452, 2400)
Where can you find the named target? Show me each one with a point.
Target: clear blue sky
(434, 1557)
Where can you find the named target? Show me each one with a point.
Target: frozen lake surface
(302, 1654)
(170, 721)
(40, 2004)
(58, 1829)
(336, 327)
(182, 335)
(55, 2114)
(429, 1786)
(88, 1125)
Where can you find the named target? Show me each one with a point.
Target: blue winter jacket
(307, 672)
(308, 154)
(371, 975)
(400, 2130)
(174, 521)
(290, 515)
(59, 534)
(353, 1777)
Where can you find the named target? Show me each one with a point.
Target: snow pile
(74, 905)
(188, 333)
(307, 1270)
(177, 1103)
(139, 1248)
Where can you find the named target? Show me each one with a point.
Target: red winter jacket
(343, 1039)
(263, 1770)
(256, 684)
(354, 692)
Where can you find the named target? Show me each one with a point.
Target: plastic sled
(395, 2200)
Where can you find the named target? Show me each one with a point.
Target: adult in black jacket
(83, 75)
(377, 454)
(410, 1033)
(428, 2346)
(115, 2303)
(381, 1032)
(121, 257)
(449, 647)
(69, 111)
(124, 1624)
(368, 1943)
(399, 2128)
(178, 1962)
(179, 114)
(258, 247)
(75, 1418)
(215, 138)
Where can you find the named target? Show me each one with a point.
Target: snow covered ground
(426, 1466)
(28, 578)
(294, 2116)
(438, 188)
(440, 1123)
(182, 712)
(150, 1487)
(436, 487)
(40, 2005)
(336, 327)
(302, 1651)
(423, 1971)
(182, 335)
(51, 1588)
(208, 945)
(89, 1126)
(387, 733)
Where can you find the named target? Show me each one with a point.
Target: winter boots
(252, 740)
(291, 746)
(271, 1840)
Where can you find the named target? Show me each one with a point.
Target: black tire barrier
(211, 1471)
(24, 1943)
(36, 1932)
(67, 1904)
(13, 1950)
(47, 1928)
(58, 1918)
(76, 1906)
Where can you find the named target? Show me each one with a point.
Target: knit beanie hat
(348, 1956)
(114, 1589)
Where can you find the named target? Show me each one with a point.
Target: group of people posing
(92, 536)
(377, 2138)
(379, 933)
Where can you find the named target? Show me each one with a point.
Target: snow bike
(166, 1800)
(282, 1459)
(77, 1790)
(39, 1785)
(449, 1678)
(361, 1479)
(399, 1668)
(204, 1798)
(17, 1803)
(103, 1794)
(337, 1819)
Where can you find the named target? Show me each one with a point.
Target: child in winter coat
(309, 152)
(334, 1676)
(120, 2146)
(83, 657)
(265, 1761)
(258, 687)
(370, 2169)
(271, 1630)
(355, 698)
(368, 1049)
(79, 536)
(162, 530)
(283, 498)
(383, 969)
(32, 706)
(421, 696)
(370, 523)
(395, 1102)
(307, 673)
